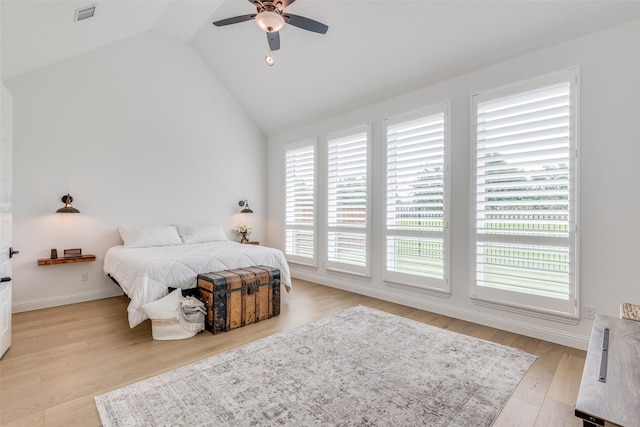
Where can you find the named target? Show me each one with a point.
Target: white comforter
(146, 273)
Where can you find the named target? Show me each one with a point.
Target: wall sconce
(67, 199)
(245, 206)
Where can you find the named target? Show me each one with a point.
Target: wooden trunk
(239, 297)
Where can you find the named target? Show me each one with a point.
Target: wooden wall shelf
(49, 261)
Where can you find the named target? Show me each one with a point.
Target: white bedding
(146, 273)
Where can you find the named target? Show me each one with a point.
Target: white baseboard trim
(58, 300)
(494, 321)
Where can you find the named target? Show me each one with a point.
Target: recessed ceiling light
(85, 13)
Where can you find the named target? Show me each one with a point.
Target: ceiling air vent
(85, 13)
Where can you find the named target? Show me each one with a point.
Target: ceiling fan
(271, 17)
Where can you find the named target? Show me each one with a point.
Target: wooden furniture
(610, 387)
(253, 243)
(49, 261)
(235, 298)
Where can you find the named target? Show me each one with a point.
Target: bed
(146, 267)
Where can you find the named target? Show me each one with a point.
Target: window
(347, 228)
(416, 208)
(525, 196)
(300, 203)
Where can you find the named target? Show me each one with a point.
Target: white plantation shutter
(300, 203)
(525, 196)
(347, 229)
(416, 249)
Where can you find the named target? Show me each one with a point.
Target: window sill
(528, 311)
(412, 287)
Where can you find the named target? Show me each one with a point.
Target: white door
(6, 210)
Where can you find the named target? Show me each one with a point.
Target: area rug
(359, 367)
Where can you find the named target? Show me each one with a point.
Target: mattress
(145, 273)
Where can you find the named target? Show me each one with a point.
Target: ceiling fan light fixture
(269, 22)
(269, 60)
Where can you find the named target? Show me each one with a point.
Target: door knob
(5, 279)
(12, 252)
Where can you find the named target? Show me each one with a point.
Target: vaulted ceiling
(374, 49)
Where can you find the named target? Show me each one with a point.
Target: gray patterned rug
(359, 367)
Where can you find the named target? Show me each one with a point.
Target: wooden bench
(610, 387)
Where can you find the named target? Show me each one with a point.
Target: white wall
(140, 132)
(610, 208)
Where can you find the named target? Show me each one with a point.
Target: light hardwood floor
(62, 357)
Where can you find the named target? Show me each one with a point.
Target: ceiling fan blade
(274, 40)
(305, 23)
(234, 20)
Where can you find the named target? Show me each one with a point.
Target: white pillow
(140, 237)
(164, 321)
(201, 233)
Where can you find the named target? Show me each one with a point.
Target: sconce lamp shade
(245, 206)
(67, 199)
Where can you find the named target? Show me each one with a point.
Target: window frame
(335, 266)
(292, 258)
(539, 306)
(416, 281)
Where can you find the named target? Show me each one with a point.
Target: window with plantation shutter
(525, 196)
(300, 203)
(347, 192)
(416, 207)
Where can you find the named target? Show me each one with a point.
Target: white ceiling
(374, 49)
